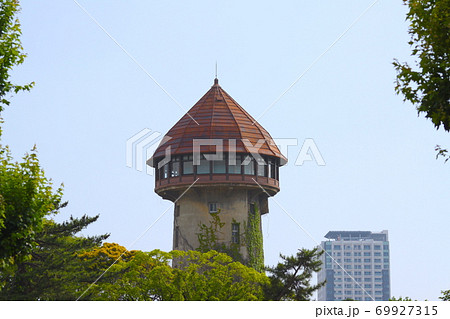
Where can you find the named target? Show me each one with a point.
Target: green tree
(11, 51)
(290, 279)
(198, 276)
(400, 299)
(26, 196)
(442, 152)
(427, 84)
(55, 270)
(445, 295)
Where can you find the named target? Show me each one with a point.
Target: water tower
(218, 161)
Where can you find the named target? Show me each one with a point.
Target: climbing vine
(254, 240)
(208, 235)
(208, 239)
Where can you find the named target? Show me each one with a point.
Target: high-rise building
(217, 160)
(355, 266)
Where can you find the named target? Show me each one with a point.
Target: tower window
(249, 167)
(204, 167)
(213, 208)
(164, 171)
(236, 168)
(187, 165)
(235, 233)
(261, 167)
(175, 167)
(219, 166)
(271, 168)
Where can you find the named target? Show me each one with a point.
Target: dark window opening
(213, 208)
(164, 171)
(252, 208)
(272, 169)
(175, 167)
(177, 235)
(235, 233)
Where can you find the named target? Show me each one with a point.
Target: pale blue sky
(380, 171)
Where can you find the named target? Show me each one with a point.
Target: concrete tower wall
(232, 205)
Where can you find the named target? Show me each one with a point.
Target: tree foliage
(11, 51)
(64, 266)
(26, 196)
(55, 270)
(427, 85)
(442, 152)
(445, 295)
(198, 276)
(290, 279)
(400, 299)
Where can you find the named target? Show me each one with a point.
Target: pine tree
(290, 279)
(55, 271)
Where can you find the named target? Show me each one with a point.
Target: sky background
(90, 97)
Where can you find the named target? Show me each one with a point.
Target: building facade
(356, 265)
(218, 161)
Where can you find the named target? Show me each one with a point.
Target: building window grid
(368, 278)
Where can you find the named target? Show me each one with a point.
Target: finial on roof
(216, 80)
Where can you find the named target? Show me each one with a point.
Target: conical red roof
(218, 116)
